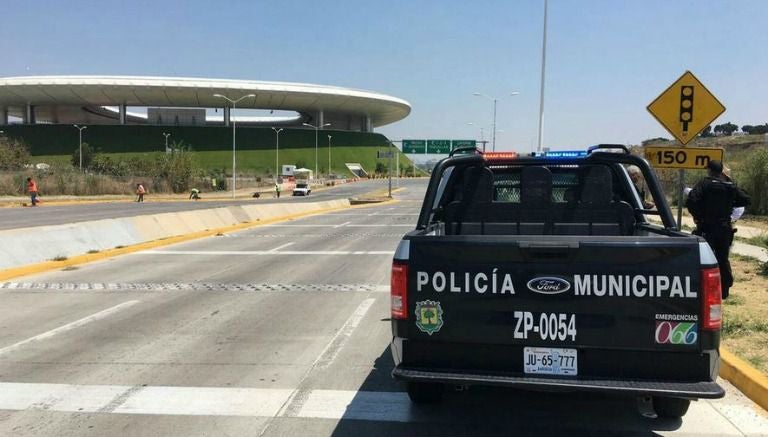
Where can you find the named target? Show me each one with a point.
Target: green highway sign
(455, 144)
(437, 147)
(414, 146)
(440, 147)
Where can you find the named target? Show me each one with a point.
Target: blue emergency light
(562, 154)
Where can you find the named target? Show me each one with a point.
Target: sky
(606, 59)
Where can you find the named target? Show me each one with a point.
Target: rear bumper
(693, 390)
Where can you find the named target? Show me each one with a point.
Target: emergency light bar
(561, 154)
(500, 156)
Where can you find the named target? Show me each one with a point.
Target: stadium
(133, 114)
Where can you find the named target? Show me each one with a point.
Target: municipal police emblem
(429, 316)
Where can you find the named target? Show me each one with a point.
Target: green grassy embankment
(262, 162)
(212, 145)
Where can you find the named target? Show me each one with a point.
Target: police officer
(637, 180)
(711, 202)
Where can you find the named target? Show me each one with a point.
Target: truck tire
(425, 392)
(671, 407)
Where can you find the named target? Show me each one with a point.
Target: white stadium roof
(96, 91)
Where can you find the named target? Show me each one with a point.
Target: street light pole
(166, 135)
(543, 71)
(79, 128)
(495, 101)
(316, 129)
(234, 125)
(494, 125)
(277, 150)
(329, 155)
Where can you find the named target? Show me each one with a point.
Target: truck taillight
(711, 300)
(399, 290)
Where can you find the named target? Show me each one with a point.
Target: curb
(750, 381)
(105, 254)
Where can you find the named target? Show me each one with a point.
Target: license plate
(550, 361)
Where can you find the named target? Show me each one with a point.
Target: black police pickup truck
(542, 272)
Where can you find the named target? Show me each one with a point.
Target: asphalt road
(278, 330)
(12, 218)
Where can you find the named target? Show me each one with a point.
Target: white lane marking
(205, 401)
(281, 247)
(267, 252)
(337, 344)
(120, 399)
(69, 326)
(295, 402)
(58, 397)
(202, 401)
(321, 404)
(342, 225)
(378, 406)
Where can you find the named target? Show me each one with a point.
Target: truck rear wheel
(425, 392)
(671, 407)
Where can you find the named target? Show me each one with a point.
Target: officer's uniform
(710, 203)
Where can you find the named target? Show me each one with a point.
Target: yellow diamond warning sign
(686, 108)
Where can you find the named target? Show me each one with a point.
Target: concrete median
(25, 246)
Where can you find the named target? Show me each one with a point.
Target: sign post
(390, 170)
(684, 109)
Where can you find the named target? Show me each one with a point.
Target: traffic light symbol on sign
(686, 106)
(674, 108)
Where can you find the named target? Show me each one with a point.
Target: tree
(760, 129)
(747, 129)
(707, 132)
(726, 129)
(88, 154)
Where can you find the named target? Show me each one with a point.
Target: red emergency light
(500, 156)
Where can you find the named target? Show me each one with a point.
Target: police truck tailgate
(635, 310)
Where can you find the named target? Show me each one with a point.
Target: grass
(745, 326)
(761, 241)
(756, 361)
(734, 300)
(735, 326)
(262, 162)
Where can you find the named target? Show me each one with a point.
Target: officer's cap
(715, 166)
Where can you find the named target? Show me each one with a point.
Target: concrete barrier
(24, 246)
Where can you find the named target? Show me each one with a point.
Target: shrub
(89, 153)
(176, 169)
(14, 154)
(754, 179)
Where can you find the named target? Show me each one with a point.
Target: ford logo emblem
(548, 285)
